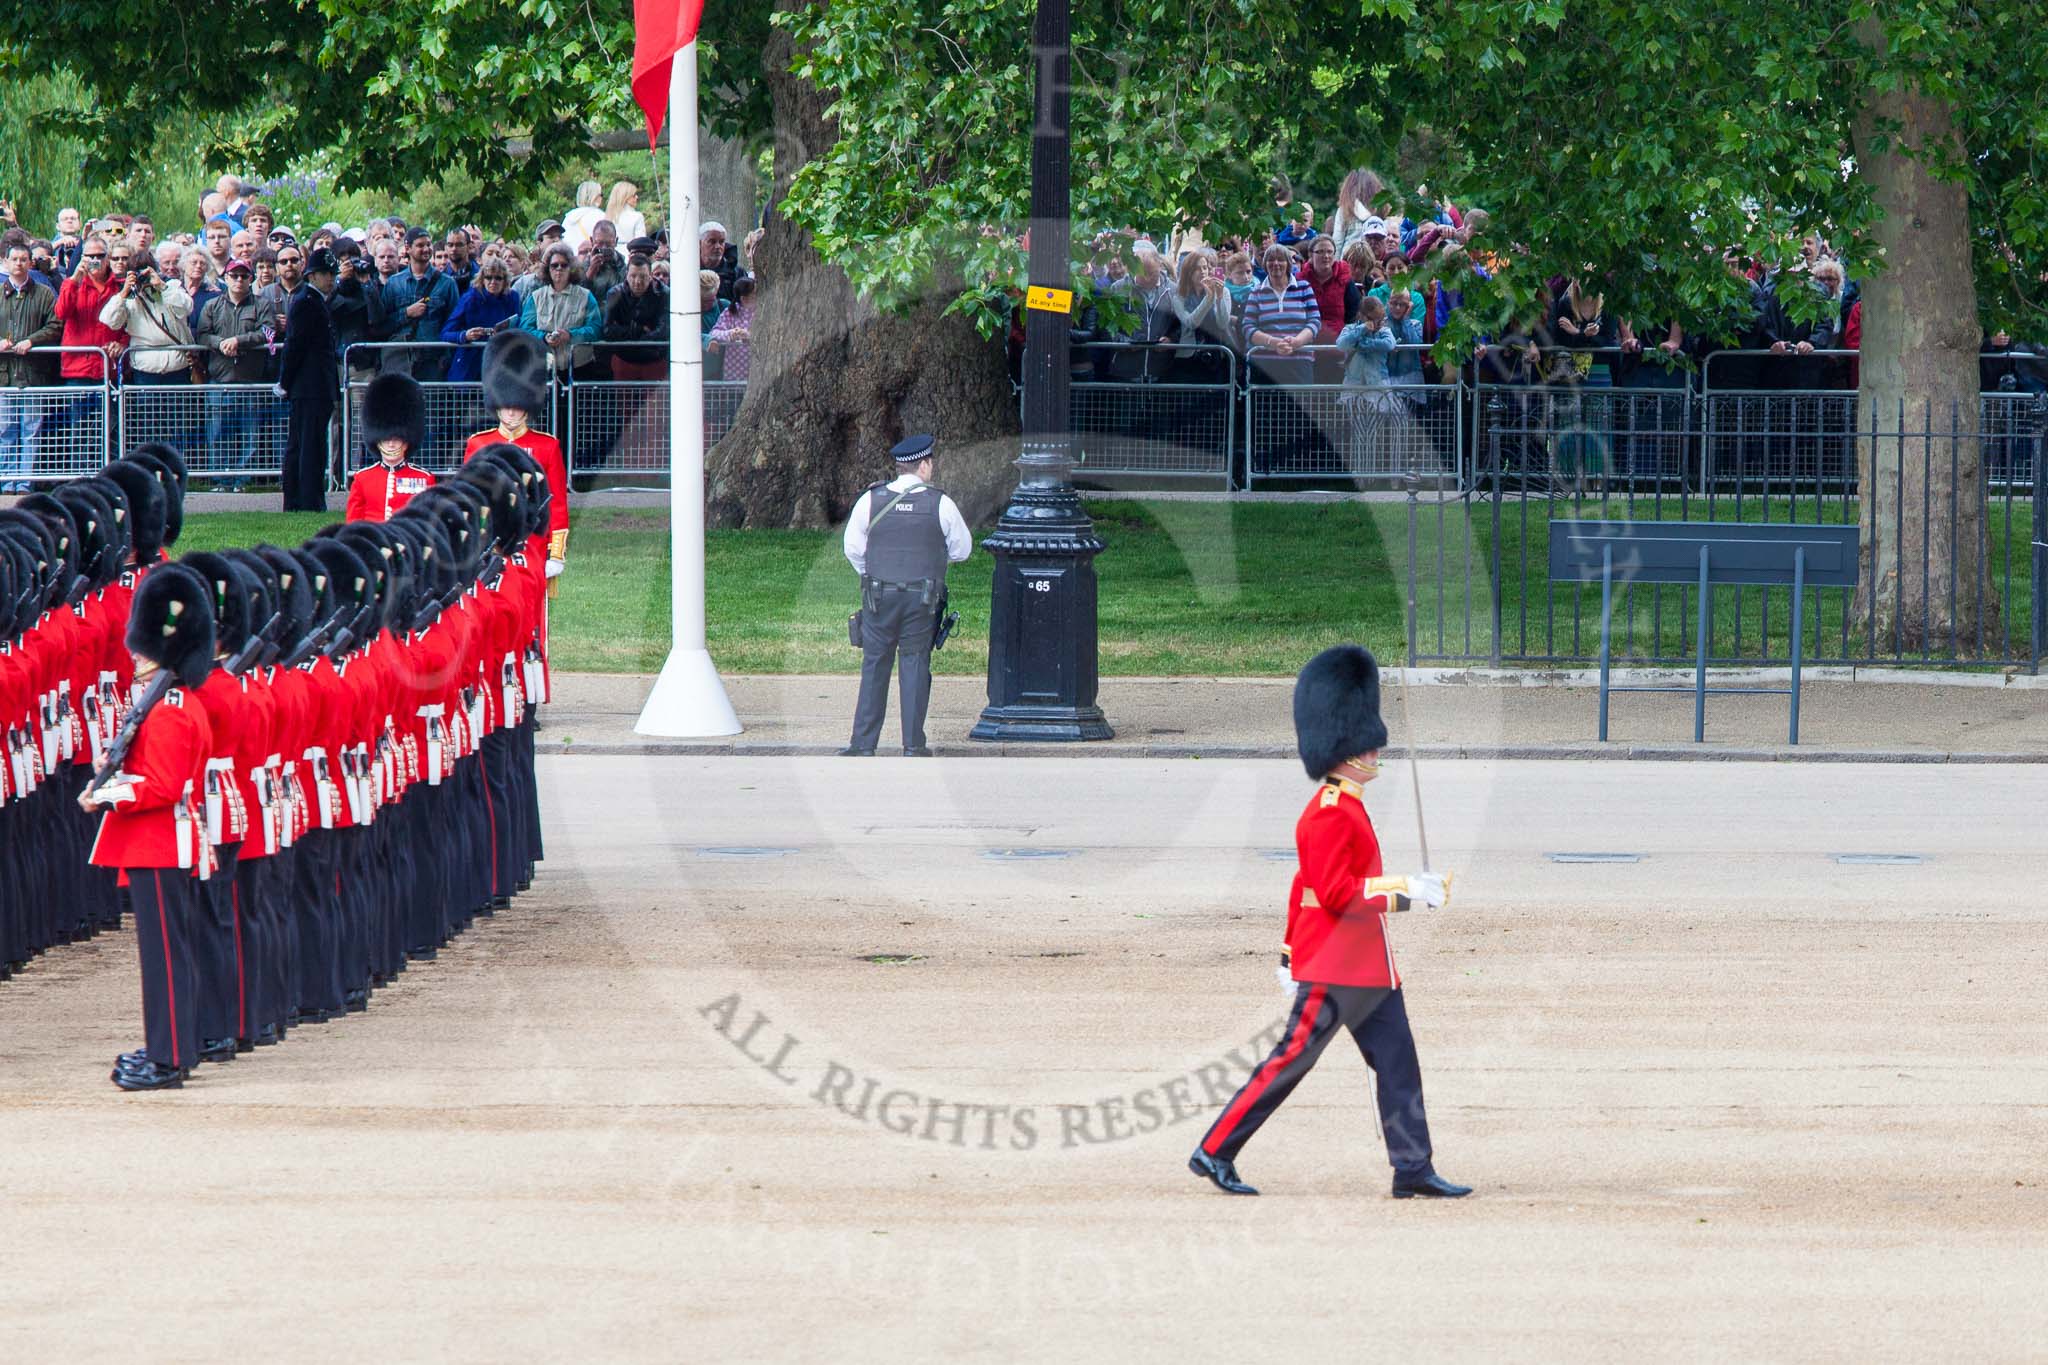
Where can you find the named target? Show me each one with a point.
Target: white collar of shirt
(903, 483)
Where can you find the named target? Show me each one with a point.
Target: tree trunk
(1924, 581)
(832, 384)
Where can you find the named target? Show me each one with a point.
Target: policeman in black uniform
(900, 538)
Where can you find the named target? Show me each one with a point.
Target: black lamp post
(1041, 631)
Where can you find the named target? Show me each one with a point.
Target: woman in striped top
(1280, 315)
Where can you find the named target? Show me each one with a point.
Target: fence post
(2039, 632)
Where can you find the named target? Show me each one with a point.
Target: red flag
(661, 29)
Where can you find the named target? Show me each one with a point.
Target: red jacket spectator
(79, 304)
(1329, 290)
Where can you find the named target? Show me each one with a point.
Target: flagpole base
(688, 700)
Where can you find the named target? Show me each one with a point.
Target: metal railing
(1163, 410)
(50, 432)
(1303, 422)
(224, 430)
(1954, 573)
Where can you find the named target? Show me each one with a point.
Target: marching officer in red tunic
(1337, 951)
(515, 387)
(394, 426)
(153, 830)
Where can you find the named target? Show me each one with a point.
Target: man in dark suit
(307, 379)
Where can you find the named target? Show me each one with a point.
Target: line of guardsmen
(333, 778)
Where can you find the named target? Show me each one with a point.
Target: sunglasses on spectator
(558, 265)
(95, 255)
(293, 259)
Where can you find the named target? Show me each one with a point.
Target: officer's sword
(1414, 769)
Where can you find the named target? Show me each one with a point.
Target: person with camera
(357, 307)
(231, 329)
(155, 314)
(900, 538)
(28, 320)
(79, 304)
(418, 302)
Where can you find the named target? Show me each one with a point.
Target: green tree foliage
(1179, 114)
(392, 95)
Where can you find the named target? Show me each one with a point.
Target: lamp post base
(1042, 655)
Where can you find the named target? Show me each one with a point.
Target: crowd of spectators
(111, 300)
(1334, 298)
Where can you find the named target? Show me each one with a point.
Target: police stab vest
(906, 544)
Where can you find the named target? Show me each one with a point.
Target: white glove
(554, 569)
(1429, 889)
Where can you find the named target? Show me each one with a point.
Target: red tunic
(1336, 934)
(381, 490)
(233, 717)
(167, 760)
(547, 451)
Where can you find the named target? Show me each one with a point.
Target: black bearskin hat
(15, 560)
(378, 551)
(170, 457)
(515, 372)
(458, 521)
(233, 599)
(394, 408)
(349, 581)
(533, 481)
(98, 537)
(501, 493)
(298, 597)
(174, 494)
(145, 509)
(434, 573)
(47, 565)
(266, 600)
(171, 623)
(122, 531)
(66, 526)
(1337, 708)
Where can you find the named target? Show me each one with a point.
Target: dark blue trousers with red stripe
(1378, 1020)
(166, 906)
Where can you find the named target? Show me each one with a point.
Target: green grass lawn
(1186, 588)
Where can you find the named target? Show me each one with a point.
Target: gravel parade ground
(804, 1059)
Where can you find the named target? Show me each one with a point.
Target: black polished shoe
(149, 1076)
(1428, 1185)
(919, 752)
(270, 1035)
(850, 752)
(217, 1050)
(356, 1001)
(245, 1045)
(422, 954)
(317, 1016)
(1219, 1172)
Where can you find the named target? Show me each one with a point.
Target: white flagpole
(688, 700)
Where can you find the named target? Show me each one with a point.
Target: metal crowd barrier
(455, 411)
(224, 431)
(620, 426)
(1778, 415)
(1302, 422)
(1162, 410)
(1555, 438)
(51, 432)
